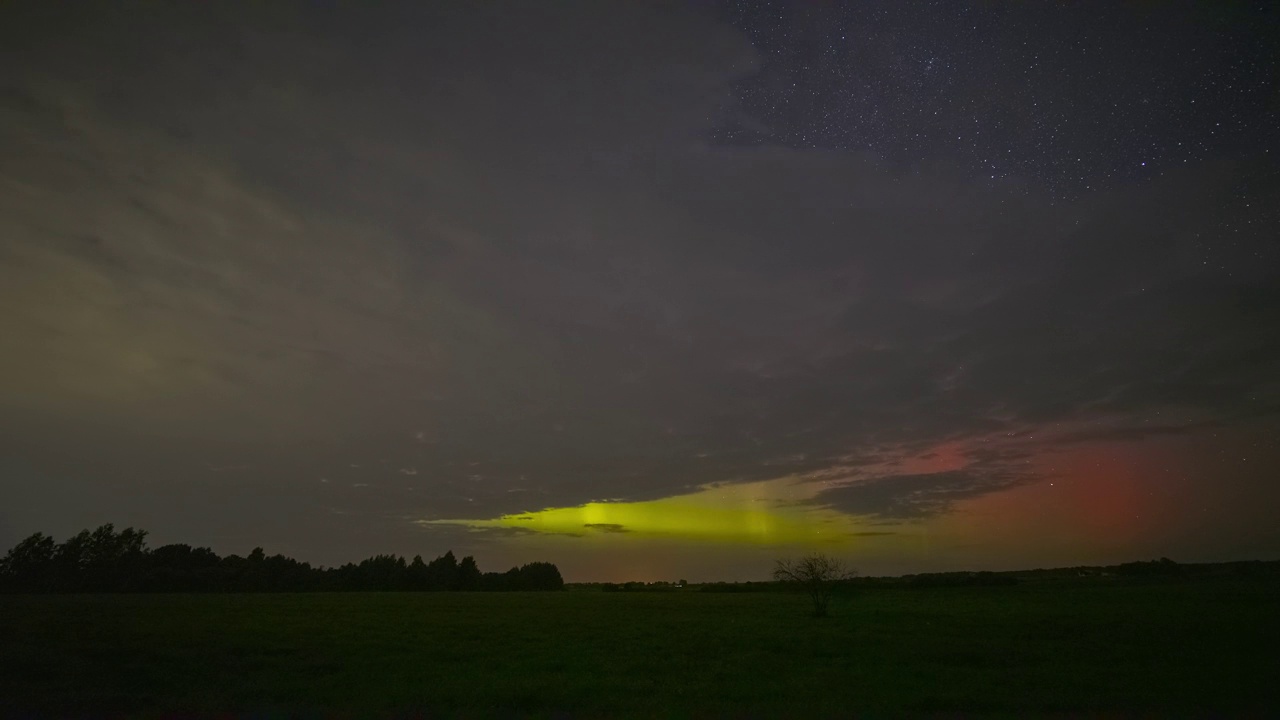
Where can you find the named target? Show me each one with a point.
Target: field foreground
(1103, 647)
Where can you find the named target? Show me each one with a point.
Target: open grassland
(1166, 648)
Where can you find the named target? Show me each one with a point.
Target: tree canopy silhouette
(107, 560)
(816, 574)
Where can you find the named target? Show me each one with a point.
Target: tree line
(107, 560)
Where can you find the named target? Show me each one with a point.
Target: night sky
(647, 290)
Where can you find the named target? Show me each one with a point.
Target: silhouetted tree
(417, 574)
(102, 560)
(540, 576)
(816, 574)
(105, 560)
(442, 573)
(183, 568)
(468, 574)
(1162, 567)
(29, 564)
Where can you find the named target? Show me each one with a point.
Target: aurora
(763, 513)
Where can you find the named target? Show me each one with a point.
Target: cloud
(292, 251)
(606, 527)
(1130, 432)
(918, 496)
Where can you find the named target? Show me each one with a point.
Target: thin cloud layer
(913, 497)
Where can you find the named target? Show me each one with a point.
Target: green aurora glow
(754, 513)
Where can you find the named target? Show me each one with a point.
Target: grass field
(1181, 649)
